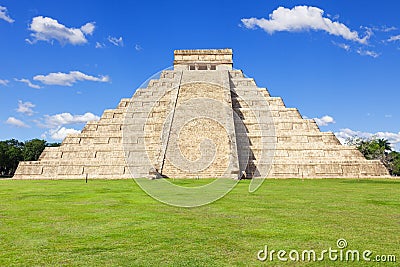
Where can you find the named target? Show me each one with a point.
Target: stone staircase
(202, 111)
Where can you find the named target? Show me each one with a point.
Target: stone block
(314, 138)
(286, 169)
(67, 170)
(71, 140)
(330, 169)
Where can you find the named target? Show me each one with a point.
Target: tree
(32, 149)
(10, 155)
(379, 149)
(394, 158)
(3, 158)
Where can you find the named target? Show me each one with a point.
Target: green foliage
(378, 149)
(33, 149)
(395, 163)
(13, 151)
(10, 155)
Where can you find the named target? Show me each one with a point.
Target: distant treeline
(13, 151)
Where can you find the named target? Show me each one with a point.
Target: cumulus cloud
(68, 79)
(25, 108)
(393, 138)
(394, 38)
(4, 82)
(303, 18)
(369, 53)
(16, 122)
(60, 133)
(48, 29)
(28, 82)
(324, 121)
(116, 41)
(4, 15)
(88, 28)
(54, 121)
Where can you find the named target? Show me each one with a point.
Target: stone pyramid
(201, 119)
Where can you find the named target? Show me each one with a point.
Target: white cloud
(393, 138)
(68, 79)
(48, 29)
(4, 15)
(384, 28)
(88, 28)
(4, 82)
(388, 29)
(369, 53)
(100, 45)
(368, 32)
(324, 121)
(303, 18)
(16, 122)
(116, 41)
(28, 82)
(25, 108)
(394, 38)
(60, 133)
(342, 45)
(67, 119)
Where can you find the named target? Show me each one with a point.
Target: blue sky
(64, 62)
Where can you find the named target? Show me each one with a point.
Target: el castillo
(201, 119)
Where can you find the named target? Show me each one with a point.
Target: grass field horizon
(113, 222)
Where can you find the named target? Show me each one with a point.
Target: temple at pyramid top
(203, 59)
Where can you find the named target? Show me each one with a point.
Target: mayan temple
(201, 119)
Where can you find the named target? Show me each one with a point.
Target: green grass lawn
(113, 222)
